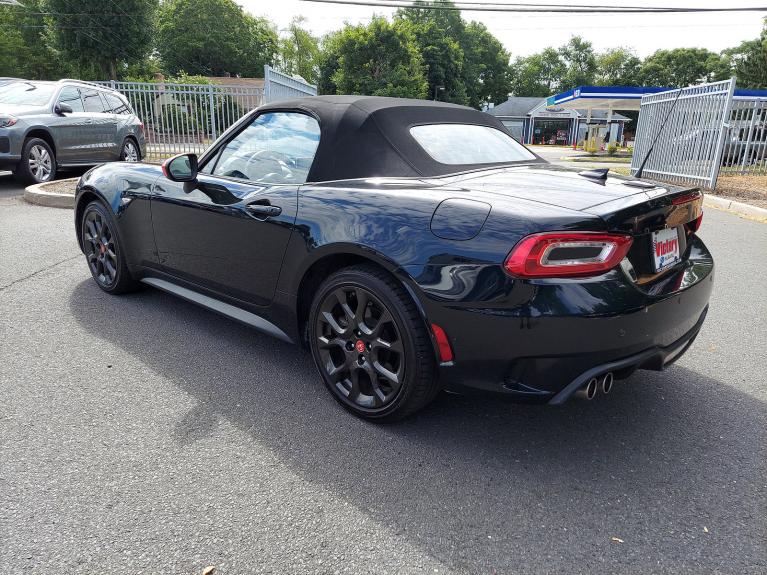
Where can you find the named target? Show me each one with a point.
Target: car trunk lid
(622, 205)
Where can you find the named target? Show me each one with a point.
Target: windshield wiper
(660, 131)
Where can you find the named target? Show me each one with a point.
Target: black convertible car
(413, 246)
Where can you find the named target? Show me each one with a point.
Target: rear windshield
(26, 93)
(469, 144)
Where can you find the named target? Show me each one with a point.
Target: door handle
(264, 210)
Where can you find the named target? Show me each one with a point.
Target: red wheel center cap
(360, 345)
(103, 248)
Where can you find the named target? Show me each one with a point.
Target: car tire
(104, 251)
(130, 151)
(371, 345)
(38, 163)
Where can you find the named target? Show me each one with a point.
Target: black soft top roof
(369, 136)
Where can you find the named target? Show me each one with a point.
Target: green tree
(214, 37)
(28, 47)
(538, 74)
(300, 51)
(327, 62)
(106, 35)
(465, 64)
(681, 67)
(380, 59)
(441, 52)
(486, 71)
(580, 63)
(748, 62)
(618, 67)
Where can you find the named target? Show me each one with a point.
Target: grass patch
(601, 159)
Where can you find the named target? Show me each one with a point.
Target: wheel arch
(85, 197)
(333, 258)
(44, 135)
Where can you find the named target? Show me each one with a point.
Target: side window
(92, 101)
(277, 147)
(71, 95)
(116, 105)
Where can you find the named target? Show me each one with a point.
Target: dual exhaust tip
(589, 391)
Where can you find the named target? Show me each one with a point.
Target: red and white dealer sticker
(665, 248)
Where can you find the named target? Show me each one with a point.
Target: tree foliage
(107, 35)
(300, 51)
(580, 62)
(537, 75)
(214, 37)
(618, 67)
(464, 62)
(442, 55)
(748, 62)
(682, 67)
(380, 59)
(486, 66)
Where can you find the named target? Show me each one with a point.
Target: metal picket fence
(745, 143)
(187, 118)
(686, 129)
(279, 86)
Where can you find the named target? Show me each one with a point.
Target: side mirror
(181, 168)
(62, 108)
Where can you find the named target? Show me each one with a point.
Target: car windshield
(469, 144)
(26, 93)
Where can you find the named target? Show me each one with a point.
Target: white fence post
(722, 132)
(279, 86)
(212, 104)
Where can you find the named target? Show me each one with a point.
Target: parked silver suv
(49, 125)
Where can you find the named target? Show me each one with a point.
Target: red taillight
(686, 198)
(141, 127)
(694, 225)
(445, 351)
(566, 254)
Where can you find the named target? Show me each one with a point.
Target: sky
(524, 34)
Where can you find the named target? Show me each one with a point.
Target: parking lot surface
(142, 434)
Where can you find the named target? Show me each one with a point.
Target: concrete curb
(37, 195)
(739, 208)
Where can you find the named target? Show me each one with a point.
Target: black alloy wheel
(103, 252)
(360, 346)
(100, 248)
(370, 345)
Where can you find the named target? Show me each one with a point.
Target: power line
(525, 8)
(45, 26)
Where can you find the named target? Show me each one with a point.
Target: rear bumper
(656, 358)
(541, 341)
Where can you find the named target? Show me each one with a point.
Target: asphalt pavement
(142, 434)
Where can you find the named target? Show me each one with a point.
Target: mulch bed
(61, 186)
(748, 189)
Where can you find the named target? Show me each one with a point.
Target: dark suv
(48, 125)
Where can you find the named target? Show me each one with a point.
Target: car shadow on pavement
(660, 475)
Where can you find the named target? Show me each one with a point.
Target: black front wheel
(103, 251)
(371, 346)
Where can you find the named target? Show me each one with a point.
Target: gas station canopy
(602, 97)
